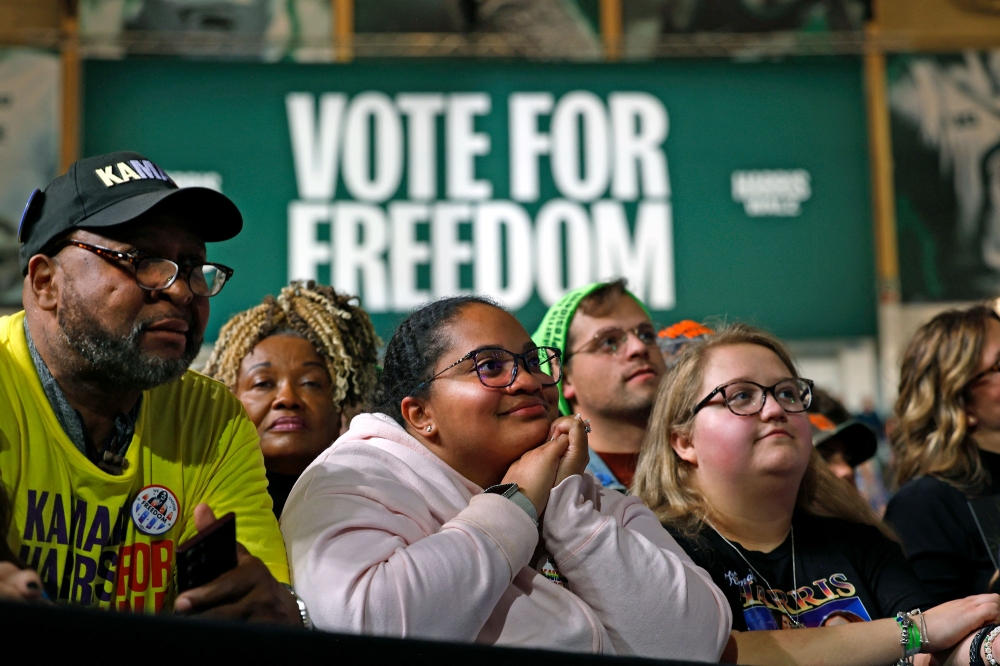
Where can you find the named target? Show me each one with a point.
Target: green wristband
(913, 645)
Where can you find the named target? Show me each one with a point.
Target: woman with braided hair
(300, 364)
(460, 509)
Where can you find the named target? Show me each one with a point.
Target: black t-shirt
(846, 572)
(940, 535)
(279, 487)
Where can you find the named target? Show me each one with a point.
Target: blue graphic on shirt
(824, 603)
(840, 611)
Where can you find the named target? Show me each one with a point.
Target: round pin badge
(154, 510)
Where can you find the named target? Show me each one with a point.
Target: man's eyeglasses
(979, 375)
(747, 398)
(611, 340)
(154, 273)
(497, 368)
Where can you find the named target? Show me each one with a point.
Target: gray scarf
(111, 456)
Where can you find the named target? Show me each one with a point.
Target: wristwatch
(514, 494)
(303, 611)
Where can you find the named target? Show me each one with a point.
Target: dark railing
(79, 636)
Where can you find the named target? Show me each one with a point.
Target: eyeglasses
(611, 340)
(747, 398)
(975, 378)
(497, 368)
(154, 273)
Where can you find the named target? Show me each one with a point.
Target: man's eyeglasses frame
(586, 348)
(134, 260)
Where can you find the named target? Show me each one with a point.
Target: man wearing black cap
(112, 451)
(844, 442)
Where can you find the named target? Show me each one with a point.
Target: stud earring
(429, 428)
(973, 421)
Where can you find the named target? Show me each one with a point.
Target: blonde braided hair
(341, 332)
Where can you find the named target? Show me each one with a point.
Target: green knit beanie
(554, 329)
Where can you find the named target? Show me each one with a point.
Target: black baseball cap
(858, 440)
(109, 190)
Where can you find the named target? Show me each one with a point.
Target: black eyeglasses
(611, 340)
(155, 274)
(497, 368)
(745, 398)
(975, 378)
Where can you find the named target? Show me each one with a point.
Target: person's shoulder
(196, 391)
(9, 327)
(5, 325)
(18, 377)
(820, 529)
(696, 544)
(922, 496)
(374, 445)
(927, 487)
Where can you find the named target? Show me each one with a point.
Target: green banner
(716, 188)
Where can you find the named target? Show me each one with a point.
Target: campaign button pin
(154, 510)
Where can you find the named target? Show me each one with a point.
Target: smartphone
(205, 557)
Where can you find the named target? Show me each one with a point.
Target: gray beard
(119, 360)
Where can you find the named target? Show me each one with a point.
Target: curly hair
(340, 330)
(415, 349)
(931, 437)
(666, 484)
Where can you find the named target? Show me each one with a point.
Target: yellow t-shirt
(108, 541)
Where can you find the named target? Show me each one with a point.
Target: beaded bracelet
(988, 645)
(910, 637)
(975, 659)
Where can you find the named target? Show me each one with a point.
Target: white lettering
(647, 260)
(449, 251)
(573, 110)
(554, 216)
(108, 176)
(362, 253)
(774, 192)
(639, 126)
(421, 111)
(464, 144)
(527, 143)
(406, 253)
(127, 173)
(373, 129)
(315, 151)
(493, 218)
(305, 253)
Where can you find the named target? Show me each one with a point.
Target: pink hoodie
(385, 538)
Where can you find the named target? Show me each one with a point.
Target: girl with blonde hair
(728, 466)
(947, 448)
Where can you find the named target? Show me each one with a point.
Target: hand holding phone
(247, 591)
(208, 555)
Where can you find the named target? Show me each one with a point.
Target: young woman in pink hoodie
(459, 510)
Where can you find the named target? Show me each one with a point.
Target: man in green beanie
(612, 368)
